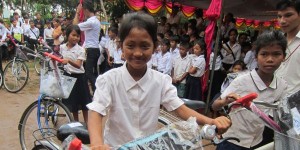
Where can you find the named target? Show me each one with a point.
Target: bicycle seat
(77, 128)
(194, 104)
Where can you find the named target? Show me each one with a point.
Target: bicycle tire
(12, 75)
(1, 79)
(41, 147)
(29, 131)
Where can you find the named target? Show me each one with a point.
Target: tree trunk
(104, 11)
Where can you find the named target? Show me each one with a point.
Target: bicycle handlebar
(246, 100)
(53, 57)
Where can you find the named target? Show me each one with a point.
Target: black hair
(56, 20)
(170, 33)
(246, 44)
(185, 38)
(233, 30)
(138, 20)
(72, 28)
(283, 4)
(166, 42)
(185, 45)
(162, 36)
(113, 29)
(241, 63)
(202, 45)
(270, 38)
(174, 38)
(193, 22)
(89, 5)
(199, 13)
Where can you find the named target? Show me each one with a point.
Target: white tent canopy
(250, 9)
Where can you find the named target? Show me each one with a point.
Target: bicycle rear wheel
(15, 76)
(53, 114)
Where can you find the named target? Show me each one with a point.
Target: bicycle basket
(21, 54)
(54, 84)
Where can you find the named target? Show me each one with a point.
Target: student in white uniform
(246, 126)
(164, 59)
(126, 93)
(231, 50)
(17, 31)
(73, 57)
(48, 34)
(196, 71)
(181, 65)
(33, 35)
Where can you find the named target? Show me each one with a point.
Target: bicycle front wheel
(15, 76)
(52, 115)
(1, 79)
(38, 63)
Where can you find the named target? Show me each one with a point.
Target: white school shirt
(247, 126)
(118, 56)
(289, 69)
(174, 53)
(218, 63)
(164, 63)
(3, 32)
(227, 57)
(154, 60)
(48, 33)
(250, 60)
(111, 46)
(75, 53)
(132, 106)
(25, 26)
(17, 30)
(199, 63)
(181, 66)
(33, 33)
(91, 28)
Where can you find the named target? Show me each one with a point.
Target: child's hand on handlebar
(231, 98)
(65, 61)
(222, 123)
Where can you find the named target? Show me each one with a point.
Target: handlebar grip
(53, 57)
(11, 39)
(245, 100)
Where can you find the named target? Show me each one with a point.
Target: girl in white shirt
(73, 57)
(197, 69)
(132, 94)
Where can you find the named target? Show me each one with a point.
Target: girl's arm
(56, 33)
(95, 131)
(192, 70)
(77, 64)
(222, 123)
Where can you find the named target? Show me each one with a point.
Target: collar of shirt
(298, 34)
(260, 84)
(235, 44)
(64, 46)
(130, 82)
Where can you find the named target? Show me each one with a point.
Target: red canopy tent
(154, 6)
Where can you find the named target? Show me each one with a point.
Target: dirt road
(11, 108)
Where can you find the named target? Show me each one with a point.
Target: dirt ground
(12, 107)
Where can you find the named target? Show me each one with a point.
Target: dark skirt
(193, 88)
(80, 95)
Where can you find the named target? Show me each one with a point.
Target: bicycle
(16, 73)
(51, 109)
